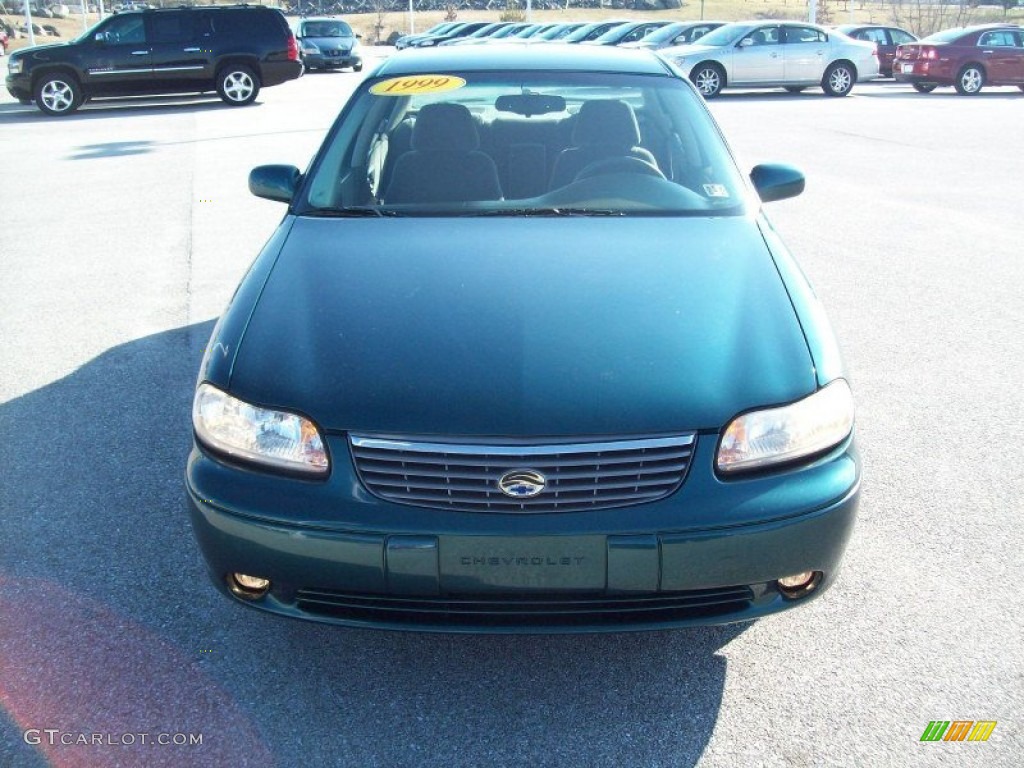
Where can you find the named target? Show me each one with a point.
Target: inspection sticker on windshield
(406, 86)
(715, 190)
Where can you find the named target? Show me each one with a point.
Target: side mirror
(775, 181)
(275, 182)
(746, 42)
(358, 36)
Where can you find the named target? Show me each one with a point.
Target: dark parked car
(676, 33)
(328, 44)
(407, 40)
(886, 38)
(592, 31)
(968, 59)
(456, 33)
(234, 50)
(629, 32)
(523, 355)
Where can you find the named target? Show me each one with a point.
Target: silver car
(766, 54)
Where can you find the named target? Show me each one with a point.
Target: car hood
(523, 326)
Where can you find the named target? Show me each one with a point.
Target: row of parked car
(766, 53)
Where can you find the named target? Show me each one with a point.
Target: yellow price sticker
(415, 84)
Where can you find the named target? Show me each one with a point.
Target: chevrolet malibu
(772, 54)
(524, 355)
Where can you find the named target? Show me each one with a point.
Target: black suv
(234, 50)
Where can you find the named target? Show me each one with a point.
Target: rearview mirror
(529, 104)
(776, 181)
(275, 182)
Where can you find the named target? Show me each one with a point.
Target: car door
(1001, 54)
(757, 58)
(884, 44)
(180, 57)
(805, 54)
(119, 58)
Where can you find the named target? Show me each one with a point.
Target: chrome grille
(579, 476)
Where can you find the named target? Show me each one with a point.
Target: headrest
(445, 126)
(607, 121)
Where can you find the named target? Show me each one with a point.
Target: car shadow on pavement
(22, 114)
(108, 624)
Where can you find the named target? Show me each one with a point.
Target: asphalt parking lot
(125, 229)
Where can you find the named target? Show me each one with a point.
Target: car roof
(511, 56)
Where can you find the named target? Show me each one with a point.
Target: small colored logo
(958, 730)
(522, 483)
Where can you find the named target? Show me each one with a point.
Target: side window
(899, 37)
(873, 36)
(764, 36)
(172, 27)
(636, 34)
(126, 30)
(1000, 38)
(804, 35)
(694, 34)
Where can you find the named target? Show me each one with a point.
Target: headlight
(775, 435)
(16, 66)
(274, 438)
(309, 47)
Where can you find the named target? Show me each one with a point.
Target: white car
(767, 54)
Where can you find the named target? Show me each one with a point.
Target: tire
(925, 87)
(357, 68)
(795, 88)
(709, 79)
(839, 79)
(237, 85)
(58, 94)
(969, 80)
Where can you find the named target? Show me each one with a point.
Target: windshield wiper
(559, 211)
(353, 212)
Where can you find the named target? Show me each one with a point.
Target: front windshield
(578, 35)
(326, 29)
(666, 33)
(616, 33)
(726, 35)
(534, 143)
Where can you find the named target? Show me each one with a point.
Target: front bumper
(359, 561)
(330, 61)
(19, 86)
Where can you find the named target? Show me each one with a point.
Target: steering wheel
(624, 164)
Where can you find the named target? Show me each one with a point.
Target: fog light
(799, 584)
(248, 586)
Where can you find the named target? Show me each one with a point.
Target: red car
(885, 38)
(968, 59)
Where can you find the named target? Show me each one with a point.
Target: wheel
(357, 67)
(838, 79)
(624, 164)
(58, 93)
(795, 88)
(709, 79)
(925, 87)
(969, 80)
(238, 85)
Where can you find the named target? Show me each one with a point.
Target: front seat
(444, 165)
(604, 129)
